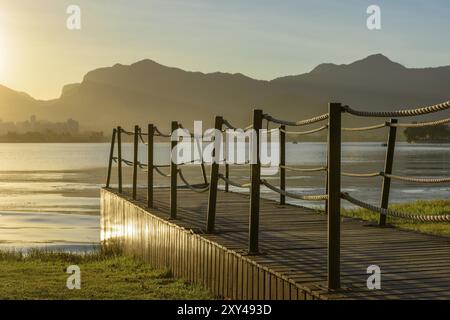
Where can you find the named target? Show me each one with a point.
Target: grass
(104, 275)
(429, 207)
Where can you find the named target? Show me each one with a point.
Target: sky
(263, 39)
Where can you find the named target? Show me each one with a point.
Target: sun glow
(2, 56)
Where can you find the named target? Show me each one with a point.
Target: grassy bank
(42, 275)
(434, 207)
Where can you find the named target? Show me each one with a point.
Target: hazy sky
(260, 38)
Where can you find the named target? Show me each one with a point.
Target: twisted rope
(297, 123)
(188, 132)
(299, 133)
(320, 197)
(419, 124)
(166, 175)
(396, 214)
(304, 169)
(160, 134)
(232, 183)
(195, 188)
(142, 138)
(361, 175)
(162, 166)
(190, 162)
(130, 163)
(416, 180)
(199, 150)
(142, 165)
(127, 162)
(126, 132)
(377, 126)
(228, 124)
(399, 113)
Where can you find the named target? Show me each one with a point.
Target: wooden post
(326, 189)
(227, 175)
(282, 163)
(119, 158)
(111, 155)
(226, 154)
(334, 195)
(388, 164)
(213, 181)
(173, 172)
(135, 160)
(150, 166)
(255, 177)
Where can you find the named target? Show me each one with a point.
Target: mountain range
(150, 92)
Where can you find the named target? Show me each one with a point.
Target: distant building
(34, 125)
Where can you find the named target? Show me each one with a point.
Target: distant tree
(431, 133)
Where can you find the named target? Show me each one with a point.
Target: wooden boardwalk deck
(293, 243)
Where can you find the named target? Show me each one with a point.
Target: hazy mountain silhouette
(150, 92)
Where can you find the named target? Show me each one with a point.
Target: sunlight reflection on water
(49, 193)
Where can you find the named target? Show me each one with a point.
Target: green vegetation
(439, 133)
(432, 207)
(104, 275)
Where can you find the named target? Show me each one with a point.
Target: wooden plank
(239, 278)
(293, 240)
(261, 289)
(245, 267)
(234, 277)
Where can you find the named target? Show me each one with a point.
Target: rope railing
(361, 175)
(414, 179)
(141, 134)
(158, 133)
(227, 124)
(296, 123)
(368, 128)
(200, 188)
(332, 168)
(400, 125)
(396, 177)
(420, 124)
(317, 169)
(195, 161)
(399, 113)
(127, 162)
(396, 214)
(130, 163)
(320, 197)
(129, 133)
(233, 183)
(158, 170)
(301, 133)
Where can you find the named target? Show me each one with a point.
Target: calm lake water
(49, 193)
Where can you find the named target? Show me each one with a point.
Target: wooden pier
(292, 263)
(244, 247)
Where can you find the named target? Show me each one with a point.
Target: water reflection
(49, 193)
